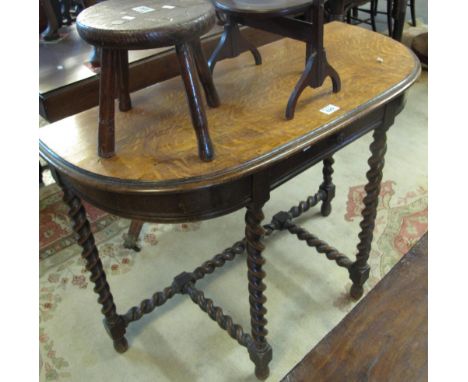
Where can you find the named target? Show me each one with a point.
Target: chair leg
(413, 12)
(131, 238)
(122, 76)
(189, 75)
(106, 134)
(204, 72)
(390, 17)
(260, 351)
(373, 13)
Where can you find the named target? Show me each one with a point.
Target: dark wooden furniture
(155, 177)
(117, 26)
(338, 9)
(75, 88)
(384, 338)
(272, 16)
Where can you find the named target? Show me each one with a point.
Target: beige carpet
(307, 294)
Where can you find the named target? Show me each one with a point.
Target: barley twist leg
(359, 270)
(259, 350)
(327, 186)
(113, 323)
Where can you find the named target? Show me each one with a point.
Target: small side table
(276, 16)
(117, 26)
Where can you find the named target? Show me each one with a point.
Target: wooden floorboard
(384, 338)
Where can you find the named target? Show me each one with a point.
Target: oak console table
(156, 175)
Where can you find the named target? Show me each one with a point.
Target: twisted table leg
(359, 270)
(327, 186)
(112, 321)
(260, 351)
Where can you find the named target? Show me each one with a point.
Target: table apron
(220, 199)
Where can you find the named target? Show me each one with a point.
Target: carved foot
(356, 291)
(359, 276)
(261, 357)
(116, 331)
(121, 345)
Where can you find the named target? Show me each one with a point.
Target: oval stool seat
(117, 26)
(144, 24)
(260, 7)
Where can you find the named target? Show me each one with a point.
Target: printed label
(143, 9)
(329, 109)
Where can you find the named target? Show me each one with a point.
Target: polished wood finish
(384, 338)
(150, 161)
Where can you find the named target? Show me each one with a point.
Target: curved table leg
(189, 75)
(260, 351)
(113, 323)
(359, 270)
(204, 72)
(231, 44)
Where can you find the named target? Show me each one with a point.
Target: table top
(143, 24)
(155, 144)
(261, 7)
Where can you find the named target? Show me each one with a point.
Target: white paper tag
(128, 17)
(168, 7)
(143, 9)
(329, 109)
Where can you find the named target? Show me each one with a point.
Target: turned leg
(359, 270)
(390, 17)
(132, 236)
(260, 351)
(231, 44)
(204, 72)
(327, 186)
(197, 111)
(113, 323)
(121, 57)
(106, 134)
(51, 33)
(373, 13)
(413, 12)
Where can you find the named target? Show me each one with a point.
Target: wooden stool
(117, 26)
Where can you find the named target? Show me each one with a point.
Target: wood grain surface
(155, 143)
(384, 338)
(144, 24)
